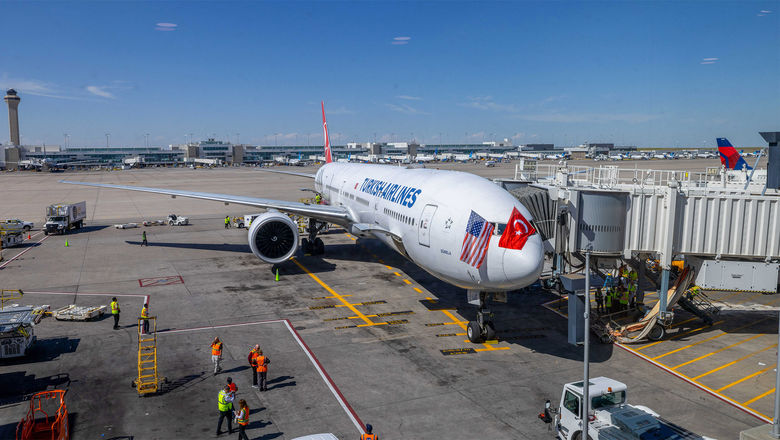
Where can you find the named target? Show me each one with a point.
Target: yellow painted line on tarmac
(734, 362)
(335, 295)
(760, 396)
(396, 274)
(699, 384)
(710, 338)
(417, 289)
(682, 334)
(717, 351)
(407, 281)
(382, 261)
(736, 382)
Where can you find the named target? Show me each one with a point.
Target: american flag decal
(476, 241)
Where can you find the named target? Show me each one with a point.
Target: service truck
(611, 418)
(62, 217)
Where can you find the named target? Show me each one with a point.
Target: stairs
(147, 381)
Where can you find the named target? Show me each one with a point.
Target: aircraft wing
(292, 173)
(328, 213)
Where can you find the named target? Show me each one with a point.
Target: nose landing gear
(482, 329)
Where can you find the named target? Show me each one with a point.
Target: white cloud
(339, 111)
(518, 135)
(100, 91)
(34, 87)
(633, 118)
(409, 98)
(402, 38)
(400, 41)
(487, 103)
(406, 109)
(709, 59)
(166, 27)
(766, 11)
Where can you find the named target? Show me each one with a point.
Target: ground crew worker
(599, 300)
(368, 435)
(233, 390)
(115, 312)
(623, 299)
(145, 322)
(252, 359)
(227, 221)
(143, 239)
(262, 370)
(216, 355)
(242, 418)
(632, 295)
(318, 198)
(224, 400)
(693, 291)
(608, 301)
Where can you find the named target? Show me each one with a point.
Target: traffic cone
(277, 274)
(28, 236)
(66, 243)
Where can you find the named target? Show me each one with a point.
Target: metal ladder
(147, 381)
(8, 295)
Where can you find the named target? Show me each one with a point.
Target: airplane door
(424, 231)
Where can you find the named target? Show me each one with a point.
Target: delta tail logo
(328, 156)
(730, 157)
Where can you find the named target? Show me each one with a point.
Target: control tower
(13, 115)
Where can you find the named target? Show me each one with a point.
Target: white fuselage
(429, 210)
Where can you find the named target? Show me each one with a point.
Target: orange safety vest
(261, 364)
(369, 437)
(243, 417)
(216, 349)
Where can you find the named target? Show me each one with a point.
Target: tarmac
(359, 335)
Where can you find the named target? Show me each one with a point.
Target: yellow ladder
(147, 381)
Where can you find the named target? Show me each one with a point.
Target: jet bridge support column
(664, 290)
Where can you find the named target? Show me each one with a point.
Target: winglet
(328, 156)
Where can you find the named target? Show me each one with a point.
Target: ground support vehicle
(12, 224)
(42, 420)
(10, 239)
(60, 218)
(16, 331)
(611, 418)
(78, 313)
(177, 220)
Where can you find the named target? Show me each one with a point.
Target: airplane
(615, 156)
(660, 156)
(459, 227)
(730, 157)
(558, 156)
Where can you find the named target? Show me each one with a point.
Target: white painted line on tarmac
(314, 361)
(24, 251)
(41, 292)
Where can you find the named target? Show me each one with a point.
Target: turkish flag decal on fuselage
(517, 231)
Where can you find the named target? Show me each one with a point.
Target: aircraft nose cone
(523, 267)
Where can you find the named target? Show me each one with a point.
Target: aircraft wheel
(474, 332)
(657, 333)
(306, 246)
(319, 246)
(490, 331)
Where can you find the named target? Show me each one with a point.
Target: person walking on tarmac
(242, 418)
(145, 319)
(252, 359)
(599, 300)
(216, 354)
(369, 435)
(227, 221)
(115, 312)
(224, 400)
(262, 370)
(318, 199)
(143, 239)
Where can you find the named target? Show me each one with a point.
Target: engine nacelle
(273, 237)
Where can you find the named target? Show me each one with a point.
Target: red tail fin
(328, 156)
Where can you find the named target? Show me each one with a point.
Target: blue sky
(645, 73)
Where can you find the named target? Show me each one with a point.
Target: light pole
(108, 136)
(586, 356)
(146, 140)
(67, 141)
(238, 138)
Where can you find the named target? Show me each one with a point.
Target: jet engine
(273, 237)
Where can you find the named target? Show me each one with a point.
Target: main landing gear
(314, 245)
(482, 329)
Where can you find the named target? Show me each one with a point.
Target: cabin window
(571, 402)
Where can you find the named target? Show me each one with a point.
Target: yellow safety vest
(114, 308)
(227, 220)
(144, 313)
(222, 402)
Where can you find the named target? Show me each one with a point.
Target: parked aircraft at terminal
(457, 226)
